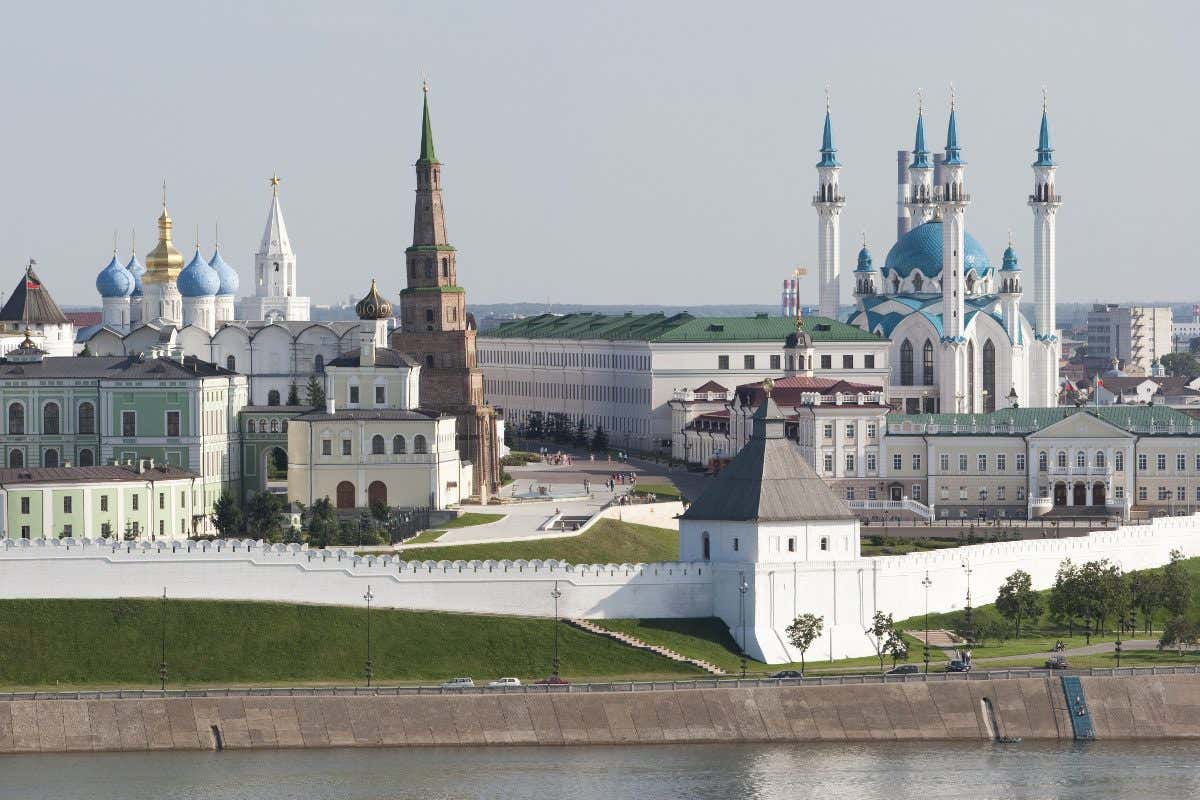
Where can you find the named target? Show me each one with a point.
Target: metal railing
(614, 686)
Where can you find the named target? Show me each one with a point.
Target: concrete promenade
(1136, 706)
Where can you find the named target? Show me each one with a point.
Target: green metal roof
(1139, 419)
(427, 155)
(682, 327)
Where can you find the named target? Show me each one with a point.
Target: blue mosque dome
(227, 274)
(921, 248)
(1010, 261)
(864, 261)
(137, 270)
(114, 280)
(198, 279)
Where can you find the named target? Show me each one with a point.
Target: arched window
(917, 282)
(1062, 459)
(1043, 460)
(429, 268)
(231, 363)
(989, 376)
(345, 495)
(273, 397)
(274, 426)
(377, 493)
(319, 364)
(16, 419)
(906, 363)
(398, 445)
(419, 444)
(50, 418)
(1100, 459)
(86, 459)
(50, 459)
(87, 418)
(971, 377)
(927, 363)
(445, 268)
(377, 445)
(16, 458)
(705, 545)
(1081, 459)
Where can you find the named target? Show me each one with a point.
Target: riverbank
(1141, 706)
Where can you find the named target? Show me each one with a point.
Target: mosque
(959, 341)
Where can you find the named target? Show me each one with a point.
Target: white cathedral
(959, 340)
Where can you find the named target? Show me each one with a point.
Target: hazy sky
(634, 152)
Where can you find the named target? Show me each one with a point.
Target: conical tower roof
(275, 239)
(30, 302)
(427, 155)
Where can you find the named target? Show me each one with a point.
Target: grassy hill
(608, 541)
(116, 642)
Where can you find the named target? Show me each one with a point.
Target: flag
(30, 283)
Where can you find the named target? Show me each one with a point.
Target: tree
(227, 516)
(896, 647)
(991, 627)
(1193, 345)
(1179, 633)
(599, 440)
(560, 428)
(1176, 589)
(380, 510)
(1065, 604)
(293, 395)
(1180, 365)
(535, 426)
(581, 434)
(1017, 599)
(262, 515)
(803, 631)
(1146, 589)
(314, 392)
(322, 524)
(880, 634)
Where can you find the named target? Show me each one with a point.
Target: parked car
(505, 682)
(903, 669)
(788, 673)
(552, 680)
(459, 683)
(958, 666)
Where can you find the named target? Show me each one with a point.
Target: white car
(506, 682)
(459, 683)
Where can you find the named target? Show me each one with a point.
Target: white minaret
(1010, 291)
(828, 202)
(919, 184)
(1045, 202)
(953, 200)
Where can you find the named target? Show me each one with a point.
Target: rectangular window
(747, 362)
(1000, 493)
(944, 493)
(182, 499)
(916, 462)
(828, 462)
(871, 493)
(722, 362)
(871, 430)
(792, 546)
(962, 493)
(944, 463)
(1020, 462)
(871, 462)
(1161, 461)
(67, 504)
(847, 362)
(135, 502)
(1181, 493)
(828, 430)
(353, 394)
(104, 502)
(826, 362)
(962, 462)
(1164, 493)
(24, 505)
(1119, 492)
(162, 527)
(68, 530)
(898, 464)
(379, 394)
(850, 430)
(346, 448)
(849, 462)
(1142, 493)
(162, 500)
(172, 423)
(1142, 462)
(128, 423)
(1181, 463)
(775, 362)
(849, 492)
(869, 361)
(326, 447)
(982, 462)
(916, 491)
(736, 544)
(24, 531)
(1001, 462)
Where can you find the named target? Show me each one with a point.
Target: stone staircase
(633, 641)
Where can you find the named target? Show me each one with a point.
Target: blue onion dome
(864, 261)
(137, 270)
(1010, 261)
(921, 248)
(198, 279)
(114, 280)
(227, 274)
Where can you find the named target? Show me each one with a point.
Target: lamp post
(370, 669)
(926, 583)
(555, 593)
(1117, 649)
(743, 587)
(967, 614)
(162, 664)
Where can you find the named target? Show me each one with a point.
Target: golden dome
(373, 306)
(164, 262)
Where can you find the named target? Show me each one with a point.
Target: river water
(1096, 771)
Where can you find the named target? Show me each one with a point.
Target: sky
(625, 152)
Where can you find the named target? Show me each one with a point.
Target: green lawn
(665, 491)
(873, 545)
(51, 643)
(471, 518)
(608, 541)
(425, 537)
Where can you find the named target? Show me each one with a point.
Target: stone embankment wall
(1164, 706)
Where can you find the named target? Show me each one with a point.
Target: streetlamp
(162, 664)
(370, 669)
(743, 587)
(555, 593)
(967, 616)
(927, 583)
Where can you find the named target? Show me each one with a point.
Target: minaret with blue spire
(960, 393)
(1044, 202)
(865, 275)
(1010, 292)
(828, 201)
(919, 202)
